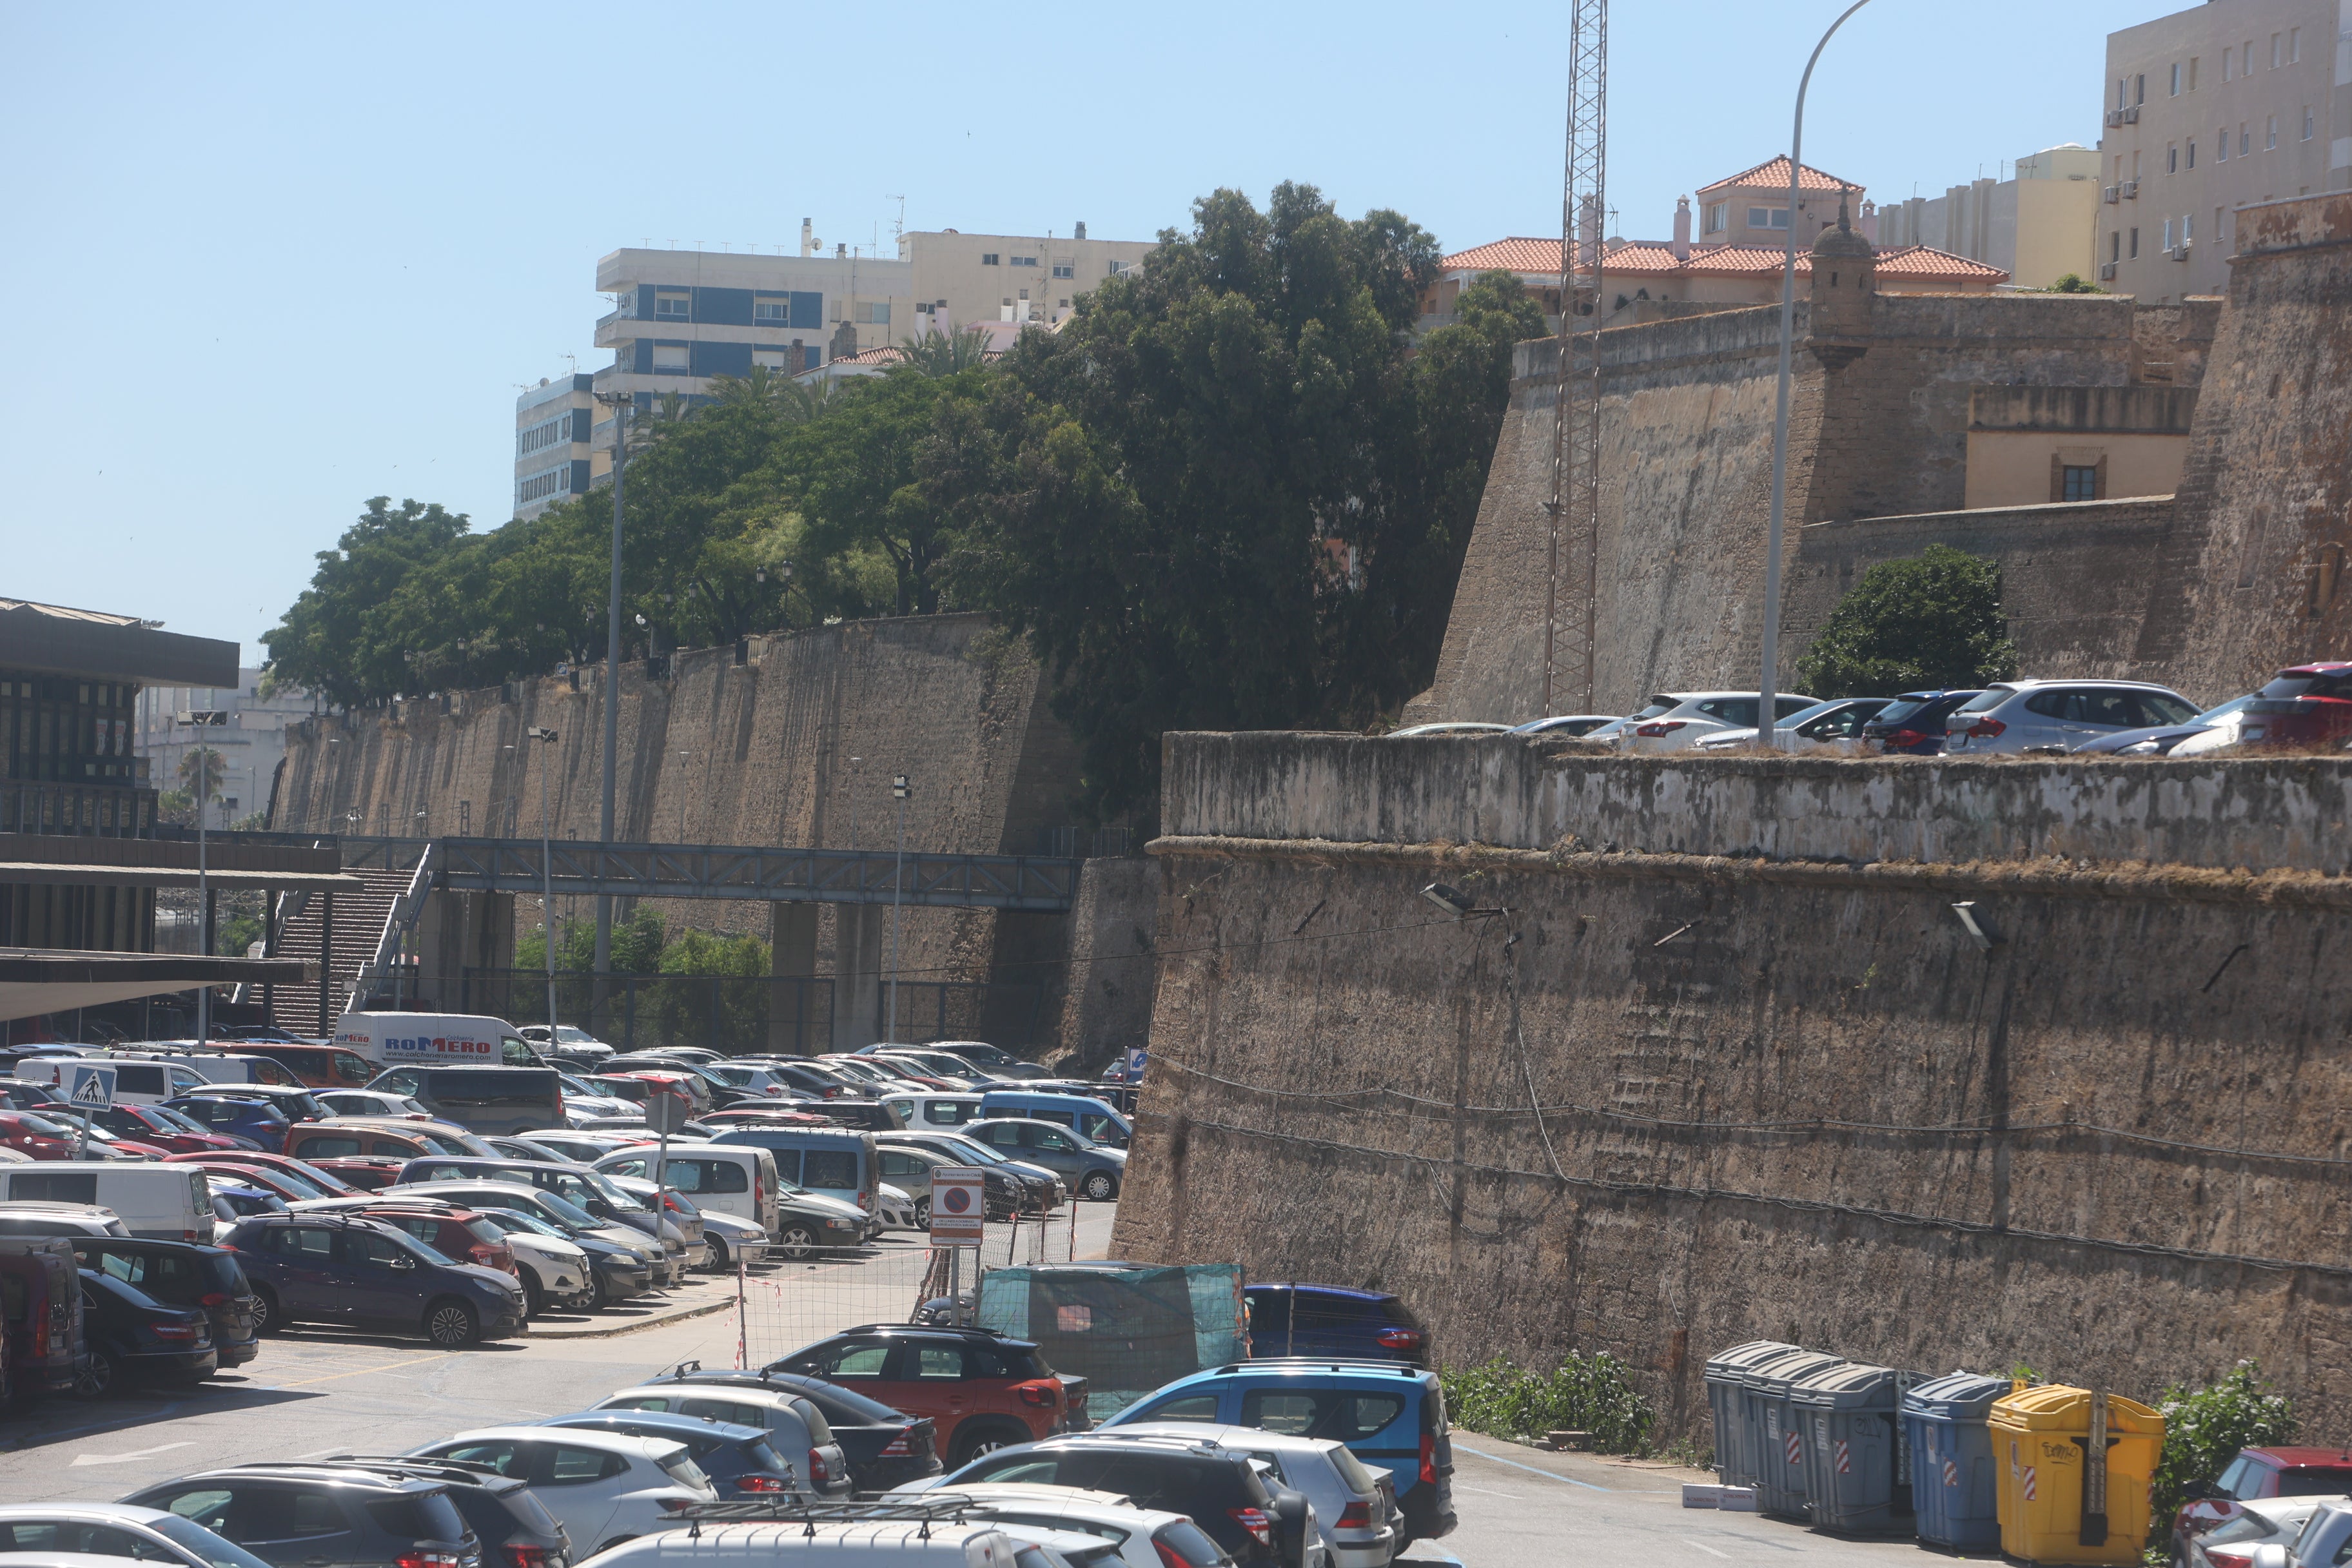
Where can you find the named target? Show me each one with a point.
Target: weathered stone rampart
(1725, 1065)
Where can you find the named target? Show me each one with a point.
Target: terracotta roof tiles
(1773, 174)
(1650, 258)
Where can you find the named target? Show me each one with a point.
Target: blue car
(256, 1118)
(1333, 1321)
(739, 1461)
(1386, 1412)
(353, 1272)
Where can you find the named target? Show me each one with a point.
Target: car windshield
(1654, 708)
(195, 1539)
(847, 1407)
(302, 1188)
(1901, 711)
(1985, 701)
(569, 1213)
(609, 1191)
(42, 1125)
(1814, 710)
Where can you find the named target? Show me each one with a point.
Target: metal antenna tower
(1574, 509)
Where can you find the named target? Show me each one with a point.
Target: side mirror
(404, 1264)
(2196, 1491)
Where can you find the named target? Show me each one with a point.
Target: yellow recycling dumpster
(2064, 1497)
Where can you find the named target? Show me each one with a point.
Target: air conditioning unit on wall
(2106, 271)
(2131, 190)
(2179, 253)
(2110, 193)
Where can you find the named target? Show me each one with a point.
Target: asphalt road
(313, 1393)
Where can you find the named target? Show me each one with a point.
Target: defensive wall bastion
(1729, 1066)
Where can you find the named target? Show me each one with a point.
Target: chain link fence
(748, 1014)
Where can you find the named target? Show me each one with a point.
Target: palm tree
(206, 764)
(944, 354)
(795, 401)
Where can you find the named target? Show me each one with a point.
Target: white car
(371, 1102)
(759, 1080)
(111, 1532)
(724, 1236)
(1142, 1537)
(895, 1208)
(582, 1104)
(602, 1487)
(1355, 1511)
(1833, 727)
(879, 1544)
(1676, 721)
(567, 1042)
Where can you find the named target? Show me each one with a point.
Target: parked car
(610, 1272)
(797, 1428)
(513, 1527)
(257, 1122)
(342, 1270)
(165, 1129)
(723, 1238)
(726, 1178)
(1258, 1521)
(1292, 1319)
(342, 1138)
(834, 1162)
(1833, 727)
(130, 1337)
(317, 1064)
(581, 1099)
(373, 1103)
(605, 1486)
(320, 1178)
(580, 1148)
(298, 1515)
(911, 1169)
(37, 1136)
(36, 1218)
(1913, 724)
(2254, 1476)
(200, 1279)
(708, 1091)
(1448, 727)
(588, 1190)
(1101, 1124)
(980, 1389)
(296, 1102)
(2276, 1524)
(40, 1301)
(883, 1447)
(566, 1042)
(2326, 1537)
(995, 1060)
(1043, 1191)
(634, 1265)
(1676, 721)
(2013, 716)
(115, 1531)
(1566, 726)
(1090, 1170)
(234, 1200)
(1137, 1537)
(1388, 1415)
(837, 1540)
(1355, 1506)
(740, 1459)
(481, 1099)
(2304, 706)
(459, 1235)
(160, 1201)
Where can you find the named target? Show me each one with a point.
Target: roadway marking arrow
(126, 1458)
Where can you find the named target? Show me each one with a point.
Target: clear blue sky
(270, 262)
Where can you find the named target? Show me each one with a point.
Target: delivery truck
(434, 1039)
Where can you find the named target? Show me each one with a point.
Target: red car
(331, 1185)
(2256, 1474)
(143, 1125)
(36, 1135)
(2304, 705)
(364, 1172)
(460, 1235)
(982, 1389)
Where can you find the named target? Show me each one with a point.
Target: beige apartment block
(2210, 110)
(2029, 446)
(2038, 226)
(964, 279)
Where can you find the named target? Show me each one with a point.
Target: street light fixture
(620, 404)
(546, 736)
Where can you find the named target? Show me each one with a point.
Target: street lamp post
(1766, 720)
(902, 788)
(546, 881)
(683, 756)
(619, 402)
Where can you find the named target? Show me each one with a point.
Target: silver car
(2013, 716)
(117, 1532)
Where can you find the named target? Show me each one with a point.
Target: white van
(153, 1080)
(434, 1039)
(881, 1544)
(933, 1111)
(156, 1201)
(723, 1178)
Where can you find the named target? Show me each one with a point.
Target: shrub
(2205, 1427)
(1592, 1393)
(1932, 623)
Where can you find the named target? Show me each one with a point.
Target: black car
(344, 1269)
(1256, 1521)
(1913, 724)
(615, 1273)
(293, 1516)
(17, 1095)
(514, 1528)
(181, 1274)
(910, 1168)
(131, 1337)
(883, 1447)
(739, 1461)
(1041, 1190)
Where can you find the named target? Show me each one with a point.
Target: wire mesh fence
(743, 1014)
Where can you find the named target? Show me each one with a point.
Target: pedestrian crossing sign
(93, 1087)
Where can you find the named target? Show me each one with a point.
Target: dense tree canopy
(1232, 491)
(1930, 623)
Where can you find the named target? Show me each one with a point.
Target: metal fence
(742, 1014)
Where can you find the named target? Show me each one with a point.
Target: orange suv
(982, 1390)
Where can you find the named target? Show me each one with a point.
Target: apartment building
(553, 457)
(2210, 110)
(247, 728)
(961, 280)
(2038, 226)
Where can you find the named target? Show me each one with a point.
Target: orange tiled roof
(1651, 258)
(1517, 253)
(1927, 261)
(1773, 174)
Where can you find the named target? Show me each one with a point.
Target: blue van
(836, 1163)
(1385, 1412)
(1093, 1120)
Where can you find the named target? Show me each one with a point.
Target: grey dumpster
(1952, 1464)
(1770, 1430)
(1735, 1460)
(1857, 1461)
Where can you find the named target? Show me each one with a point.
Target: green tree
(2073, 283)
(2205, 1427)
(945, 353)
(1933, 621)
(1230, 492)
(336, 638)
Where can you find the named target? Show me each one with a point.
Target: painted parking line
(364, 1371)
(1548, 1475)
(1490, 1492)
(1710, 1550)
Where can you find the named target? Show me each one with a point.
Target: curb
(663, 1320)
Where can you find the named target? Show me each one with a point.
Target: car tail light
(1357, 1515)
(1907, 738)
(486, 1257)
(1169, 1556)
(763, 1483)
(820, 1473)
(897, 1449)
(1255, 1522)
(530, 1557)
(2221, 1557)
(1429, 1457)
(1666, 727)
(1401, 1339)
(864, 1200)
(833, 1093)
(214, 1300)
(174, 1330)
(1037, 1394)
(426, 1557)
(1986, 730)
(41, 1338)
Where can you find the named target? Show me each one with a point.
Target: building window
(2176, 80)
(1022, 261)
(2135, 245)
(1718, 215)
(2123, 92)
(2116, 245)
(2192, 154)
(2225, 64)
(2078, 484)
(2168, 233)
(874, 315)
(2278, 50)
(2225, 144)
(775, 359)
(2140, 90)
(673, 305)
(2307, 126)
(772, 312)
(2270, 134)
(2192, 73)
(988, 258)
(1065, 269)
(1061, 304)
(671, 358)
(2171, 158)
(1767, 217)
(2245, 142)
(2293, 44)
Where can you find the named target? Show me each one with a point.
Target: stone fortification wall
(1729, 1066)
(794, 746)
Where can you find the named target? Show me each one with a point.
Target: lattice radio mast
(1574, 509)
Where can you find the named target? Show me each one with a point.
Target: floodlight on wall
(1980, 931)
(1452, 901)
(541, 732)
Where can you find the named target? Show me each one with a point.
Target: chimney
(808, 239)
(1081, 232)
(1682, 228)
(1868, 226)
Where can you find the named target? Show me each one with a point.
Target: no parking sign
(958, 1204)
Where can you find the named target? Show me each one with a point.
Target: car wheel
(451, 1323)
(98, 1374)
(720, 1263)
(796, 1241)
(268, 1318)
(1099, 1187)
(535, 1295)
(971, 1443)
(922, 1214)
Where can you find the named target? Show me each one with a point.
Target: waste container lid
(1847, 1385)
(1740, 1358)
(2061, 1408)
(1956, 1397)
(1778, 1373)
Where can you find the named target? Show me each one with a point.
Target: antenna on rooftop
(898, 229)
